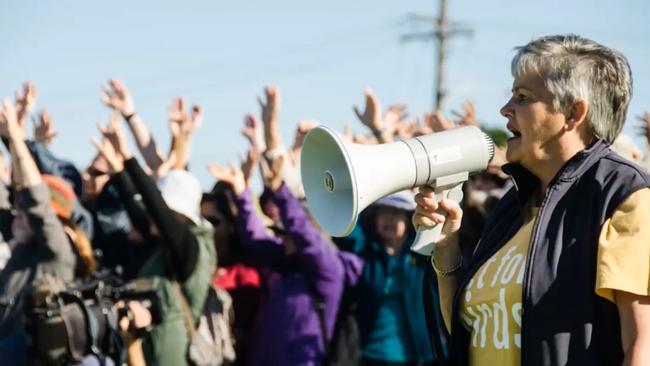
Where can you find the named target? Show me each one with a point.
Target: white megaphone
(341, 179)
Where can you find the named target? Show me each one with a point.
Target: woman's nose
(506, 110)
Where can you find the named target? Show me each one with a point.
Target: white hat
(182, 193)
(404, 200)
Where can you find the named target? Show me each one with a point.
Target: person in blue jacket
(390, 310)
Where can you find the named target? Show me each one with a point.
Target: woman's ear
(577, 114)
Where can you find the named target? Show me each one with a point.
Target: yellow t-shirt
(491, 309)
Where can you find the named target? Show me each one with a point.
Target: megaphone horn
(341, 179)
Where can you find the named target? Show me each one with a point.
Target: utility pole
(442, 31)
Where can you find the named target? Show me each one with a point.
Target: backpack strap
(436, 334)
(190, 328)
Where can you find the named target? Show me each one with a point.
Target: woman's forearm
(634, 315)
(146, 144)
(638, 353)
(181, 148)
(447, 258)
(25, 167)
(447, 286)
(135, 355)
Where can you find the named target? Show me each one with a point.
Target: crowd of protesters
(287, 286)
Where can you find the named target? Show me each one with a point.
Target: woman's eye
(521, 97)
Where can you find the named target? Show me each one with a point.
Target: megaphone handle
(427, 237)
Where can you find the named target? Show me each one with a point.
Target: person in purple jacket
(299, 265)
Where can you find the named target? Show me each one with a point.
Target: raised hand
(25, 103)
(196, 117)
(43, 130)
(301, 131)
(394, 117)
(9, 126)
(178, 118)
(468, 116)
(253, 131)
(248, 165)
(346, 136)
(116, 95)
(371, 116)
(644, 128)
(271, 105)
(182, 123)
(362, 139)
(408, 130)
(270, 112)
(232, 175)
(271, 172)
(106, 149)
(438, 122)
(114, 133)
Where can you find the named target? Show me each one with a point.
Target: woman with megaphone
(561, 273)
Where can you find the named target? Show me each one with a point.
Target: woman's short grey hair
(575, 68)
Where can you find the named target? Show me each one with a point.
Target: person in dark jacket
(390, 311)
(561, 273)
(183, 258)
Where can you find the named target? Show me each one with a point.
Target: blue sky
(321, 54)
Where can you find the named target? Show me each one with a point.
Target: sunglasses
(94, 172)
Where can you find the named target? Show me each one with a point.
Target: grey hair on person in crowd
(575, 68)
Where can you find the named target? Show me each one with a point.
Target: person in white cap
(183, 255)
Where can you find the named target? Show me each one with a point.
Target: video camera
(64, 327)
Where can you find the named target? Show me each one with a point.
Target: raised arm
(382, 127)
(33, 197)
(254, 132)
(25, 103)
(644, 127)
(117, 96)
(27, 174)
(270, 112)
(301, 131)
(176, 235)
(262, 246)
(182, 125)
(318, 258)
(128, 195)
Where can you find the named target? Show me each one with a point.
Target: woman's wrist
(128, 116)
(447, 260)
(125, 153)
(378, 132)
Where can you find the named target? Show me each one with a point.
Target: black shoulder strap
(436, 336)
